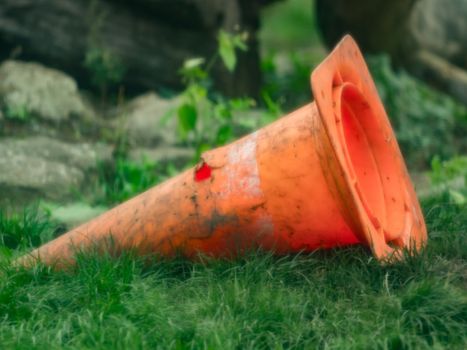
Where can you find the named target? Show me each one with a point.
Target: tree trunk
(427, 37)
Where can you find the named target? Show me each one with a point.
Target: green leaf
(457, 197)
(20, 112)
(227, 50)
(224, 134)
(239, 41)
(201, 148)
(242, 104)
(192, 70)
(222, 111)
(193, 62)
(187, 117)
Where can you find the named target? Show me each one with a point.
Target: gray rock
(179, 156)
(148, 39)
(427, 37)
(82, 156)
(43, 168)
(440, 27)
(39, 177)
(32, 90)
(74, 214)
(149, 120)
(439, 30)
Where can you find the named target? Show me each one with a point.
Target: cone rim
(346, 65)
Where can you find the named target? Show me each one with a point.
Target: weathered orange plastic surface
(329, 174)
(367, 159)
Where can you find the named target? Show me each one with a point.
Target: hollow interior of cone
(371, 156)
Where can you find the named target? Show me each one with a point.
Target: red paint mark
(203, 172)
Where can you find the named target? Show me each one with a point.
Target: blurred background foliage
(428, 122)
(202, 96)
(430, 125)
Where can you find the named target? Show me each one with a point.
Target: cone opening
(342, 86)
(374, 174)
(362, 158)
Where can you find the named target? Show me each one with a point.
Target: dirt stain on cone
(329, 174)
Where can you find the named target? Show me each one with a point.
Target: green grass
(338, 299)
(29, 227)
(341, 299)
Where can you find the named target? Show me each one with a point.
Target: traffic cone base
(366, 153)
(329, 174)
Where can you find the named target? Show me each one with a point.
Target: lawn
(339, 299)
(335, 299)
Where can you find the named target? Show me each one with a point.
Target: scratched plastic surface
(329, 174)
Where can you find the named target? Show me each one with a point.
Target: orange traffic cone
(329, 174)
